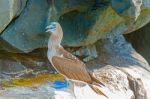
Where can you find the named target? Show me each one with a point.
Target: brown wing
(68, 55)
(71, 69)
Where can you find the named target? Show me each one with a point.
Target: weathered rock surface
(123, 70)
(87, 22)
(24, 34)
(15, 65)
(9, 9)
(140, 41)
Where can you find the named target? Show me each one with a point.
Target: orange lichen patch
(32, 81)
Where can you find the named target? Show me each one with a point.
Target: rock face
(14, 64)
(123, 70)
(9, 9)
(24, 34)
(140, 41)
(87, 22)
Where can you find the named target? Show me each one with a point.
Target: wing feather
(68, 55)
(71, 69)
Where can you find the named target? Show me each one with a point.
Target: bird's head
(55, 30)
(52, 27)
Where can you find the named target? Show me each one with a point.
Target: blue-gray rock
(83, 22)
(24, 33)
(9, 9)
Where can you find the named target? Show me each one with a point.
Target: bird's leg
(71, 85)
(96, 83)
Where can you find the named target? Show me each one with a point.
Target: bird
(67, 64)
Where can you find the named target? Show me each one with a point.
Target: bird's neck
(54, 42)
(52, 48)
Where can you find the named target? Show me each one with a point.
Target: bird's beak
(48, 29)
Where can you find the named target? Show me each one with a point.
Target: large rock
(83, 22)
(141, 15)
(101, 19)
(24, 33)
(9, 9)
(122, 69)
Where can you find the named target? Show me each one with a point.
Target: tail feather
(95, 84)
(95, 80)
(98, 91)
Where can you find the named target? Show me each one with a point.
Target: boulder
(141, 13)
(121, 69)
(83, 23)
(24, 33)
(9, 9)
